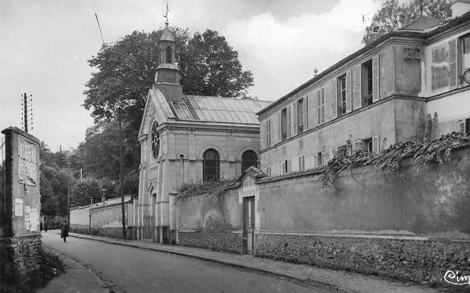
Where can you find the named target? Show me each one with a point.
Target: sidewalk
(339, 280)
(76, 279)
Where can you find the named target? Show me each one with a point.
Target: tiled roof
(217, 109)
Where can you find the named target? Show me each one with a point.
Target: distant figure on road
(45, 226)
(64, 231)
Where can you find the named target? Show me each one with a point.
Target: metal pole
(121, 181)
(68, 199)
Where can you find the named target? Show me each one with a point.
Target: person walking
(64, 231)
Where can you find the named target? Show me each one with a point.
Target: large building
(412, 84)
(188, 139)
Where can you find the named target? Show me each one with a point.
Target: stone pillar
(20, 238)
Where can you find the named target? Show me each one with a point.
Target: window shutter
(324, 158)
(266, 130)
(348, 91)
(318, 108)
(279, 132)
(315, 158)
(305, 114)
(294, 118)
(289, 165)
(334, 98)
(322, 95)
(462, 126)
(357, 87)
(375, 144)
(312, 108)
(375, 79)
(288, 122)
(453, 64)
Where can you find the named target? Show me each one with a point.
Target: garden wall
(106, 220)
(211, 222)
(410, 226)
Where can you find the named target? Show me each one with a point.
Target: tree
(211, 67)
(392, 16)
(126, 71)
(54, 176)
(86, 190)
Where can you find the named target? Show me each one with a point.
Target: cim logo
(454, 278)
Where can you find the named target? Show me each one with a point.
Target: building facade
(188, 139)
(411, 84)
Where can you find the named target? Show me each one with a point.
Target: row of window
(371, 145)
(211, 164)
(356, 88)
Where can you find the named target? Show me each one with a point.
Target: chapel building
(187, 139)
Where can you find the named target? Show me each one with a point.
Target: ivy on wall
(391, 159)
(211, 188)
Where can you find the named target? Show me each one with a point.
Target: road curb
(299, 279)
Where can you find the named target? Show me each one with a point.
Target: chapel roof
(217, 109)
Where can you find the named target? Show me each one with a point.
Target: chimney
(459, 7)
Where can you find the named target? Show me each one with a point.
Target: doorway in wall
(248, 240)
(149, 217)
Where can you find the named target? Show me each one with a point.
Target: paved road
(128, 269)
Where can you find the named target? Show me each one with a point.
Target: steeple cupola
(167, 76)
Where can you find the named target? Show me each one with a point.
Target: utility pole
(25, 112)
(68, 198)
(121, 178)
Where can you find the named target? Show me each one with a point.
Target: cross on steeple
(166, 14)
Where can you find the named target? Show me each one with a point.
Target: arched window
(155, 140)
(249, 159)
(210, 165)
(168, 54)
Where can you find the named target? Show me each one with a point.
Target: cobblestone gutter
(423, 261)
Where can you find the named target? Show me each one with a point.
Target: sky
(45, 45)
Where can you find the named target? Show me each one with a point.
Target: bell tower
(167, 76)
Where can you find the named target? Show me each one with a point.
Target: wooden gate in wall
(148, 229)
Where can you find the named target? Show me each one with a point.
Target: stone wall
(111, 232)
(225, 241)
(425, 260)
(20, 257)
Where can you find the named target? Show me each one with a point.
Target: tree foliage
(55, 175)
(125, 73)
(211, 67)
(85, 191)
(392, 16)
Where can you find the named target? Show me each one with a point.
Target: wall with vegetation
(435, 201)
(411, 224)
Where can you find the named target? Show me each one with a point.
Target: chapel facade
(187, 138)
